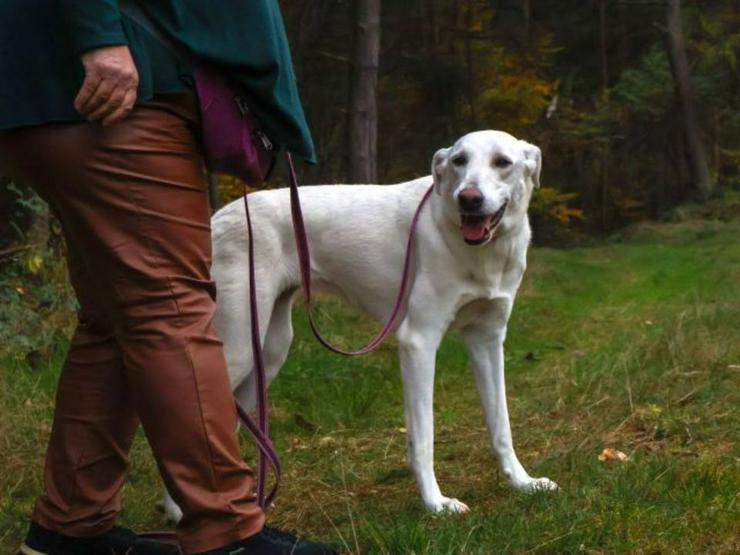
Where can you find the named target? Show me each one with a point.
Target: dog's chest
(492, 272)
(475, 288)
(492, 276)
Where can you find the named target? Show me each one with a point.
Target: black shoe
(273, 542)
(117, 541)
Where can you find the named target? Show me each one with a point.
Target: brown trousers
(133, 204)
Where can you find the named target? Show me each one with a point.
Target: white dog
(470, 256)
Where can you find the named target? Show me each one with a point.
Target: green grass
(632, 344)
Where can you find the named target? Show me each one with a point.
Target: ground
(632, 344)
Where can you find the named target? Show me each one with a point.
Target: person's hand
(108, 92)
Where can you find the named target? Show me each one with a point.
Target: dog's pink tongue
(474, 231)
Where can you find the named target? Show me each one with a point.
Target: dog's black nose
(470, 199)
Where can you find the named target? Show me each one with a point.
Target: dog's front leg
(417, 351)
(485, 344)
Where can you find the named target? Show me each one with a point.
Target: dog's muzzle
(478, 228)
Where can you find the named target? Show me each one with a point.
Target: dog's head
(486, 180)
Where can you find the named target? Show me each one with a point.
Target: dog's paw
(172, 512)
(448, 505)
(538, 484)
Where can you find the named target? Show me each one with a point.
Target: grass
(632, 344)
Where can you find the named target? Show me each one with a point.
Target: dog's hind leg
(485, 343)
(275, 348)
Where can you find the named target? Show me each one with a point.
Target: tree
(686, 96)
(363, 101)
(605, 154)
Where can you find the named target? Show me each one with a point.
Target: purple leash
(259, 429)
(304, 262)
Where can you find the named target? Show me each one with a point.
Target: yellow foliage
(34, 263)
(513, 87)
(565, 214)
(554, 203)
(230, 188)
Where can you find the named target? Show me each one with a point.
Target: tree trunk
(469, 69)
(603, 49)
(606, 148)
(527, 14)
(363, 102)
(685, 92)
(736, 77)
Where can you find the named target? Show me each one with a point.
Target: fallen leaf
(327, 441)
(402, 430)
(611, 454)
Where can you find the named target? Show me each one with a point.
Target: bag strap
(304, 263)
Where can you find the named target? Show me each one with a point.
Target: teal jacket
(41, 42)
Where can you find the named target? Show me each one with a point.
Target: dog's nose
(470, 199)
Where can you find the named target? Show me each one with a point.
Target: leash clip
(242, 105)
(266, 142)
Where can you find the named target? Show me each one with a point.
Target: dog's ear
(439, 163)
(533, 162)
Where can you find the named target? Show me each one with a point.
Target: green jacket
(41, 41)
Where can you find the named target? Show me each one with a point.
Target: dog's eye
(460, 160)
(501, 162)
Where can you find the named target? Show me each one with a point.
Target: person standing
(101, 120)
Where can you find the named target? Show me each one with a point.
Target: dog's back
(348, 228)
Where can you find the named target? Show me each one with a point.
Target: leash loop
(260, 429)
(304, 263)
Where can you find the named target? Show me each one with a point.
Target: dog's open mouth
(477, 229)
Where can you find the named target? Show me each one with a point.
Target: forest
(633, 102)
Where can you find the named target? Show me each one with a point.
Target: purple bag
(233, 142)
